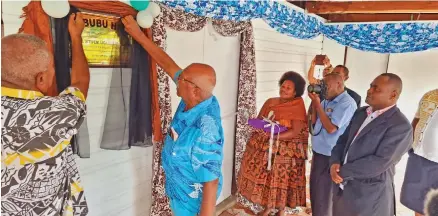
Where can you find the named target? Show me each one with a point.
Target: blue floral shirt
(193, 155)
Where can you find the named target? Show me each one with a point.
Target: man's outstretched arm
(161, 57)
(80, 72)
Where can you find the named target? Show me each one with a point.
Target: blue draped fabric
(376, 37)
(291, 22)
(280, 17)
(385, 37)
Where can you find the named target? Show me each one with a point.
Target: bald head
(394, 82)
(334, 78)
(202, 75)
(335, 85)
(343, 71)
(384, 91)
(23, 57)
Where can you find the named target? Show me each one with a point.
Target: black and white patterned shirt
(39, 172)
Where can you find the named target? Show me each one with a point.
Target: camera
(319, 59)
(320, 89)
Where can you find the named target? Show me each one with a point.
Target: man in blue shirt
(193, 148)
(330, 118)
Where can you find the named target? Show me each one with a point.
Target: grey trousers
(321, 188)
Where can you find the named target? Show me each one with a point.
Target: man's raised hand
(76, 25)
(132, 27)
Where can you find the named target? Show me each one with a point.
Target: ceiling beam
(339, 18)
(325, 7)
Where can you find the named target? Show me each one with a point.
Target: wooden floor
(230, 208)
(235, 209)
(238, 210)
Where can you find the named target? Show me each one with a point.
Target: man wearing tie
(364, 158)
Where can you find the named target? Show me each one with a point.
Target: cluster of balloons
(145, 17)
(147, 12)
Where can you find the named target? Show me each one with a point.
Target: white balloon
(56, 9)
(144, 19)
(154, 9)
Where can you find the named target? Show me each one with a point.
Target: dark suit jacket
(369, 171)
(354, 95)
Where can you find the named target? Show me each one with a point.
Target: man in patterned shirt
(192, 154)
(422, 168)
(39, 172)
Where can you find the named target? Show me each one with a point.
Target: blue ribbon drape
(376, 37)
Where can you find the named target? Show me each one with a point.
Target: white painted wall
(334, 51)
(419, 74)
(276, 54)
(115, 182)
(11, 12)
(222, 53)
(364, 67)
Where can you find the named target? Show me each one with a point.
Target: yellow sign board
(101, 42)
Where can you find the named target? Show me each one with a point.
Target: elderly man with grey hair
(39, 172)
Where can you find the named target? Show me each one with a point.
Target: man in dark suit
(364, 158)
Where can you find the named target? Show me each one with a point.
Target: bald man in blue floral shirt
(192, 154)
